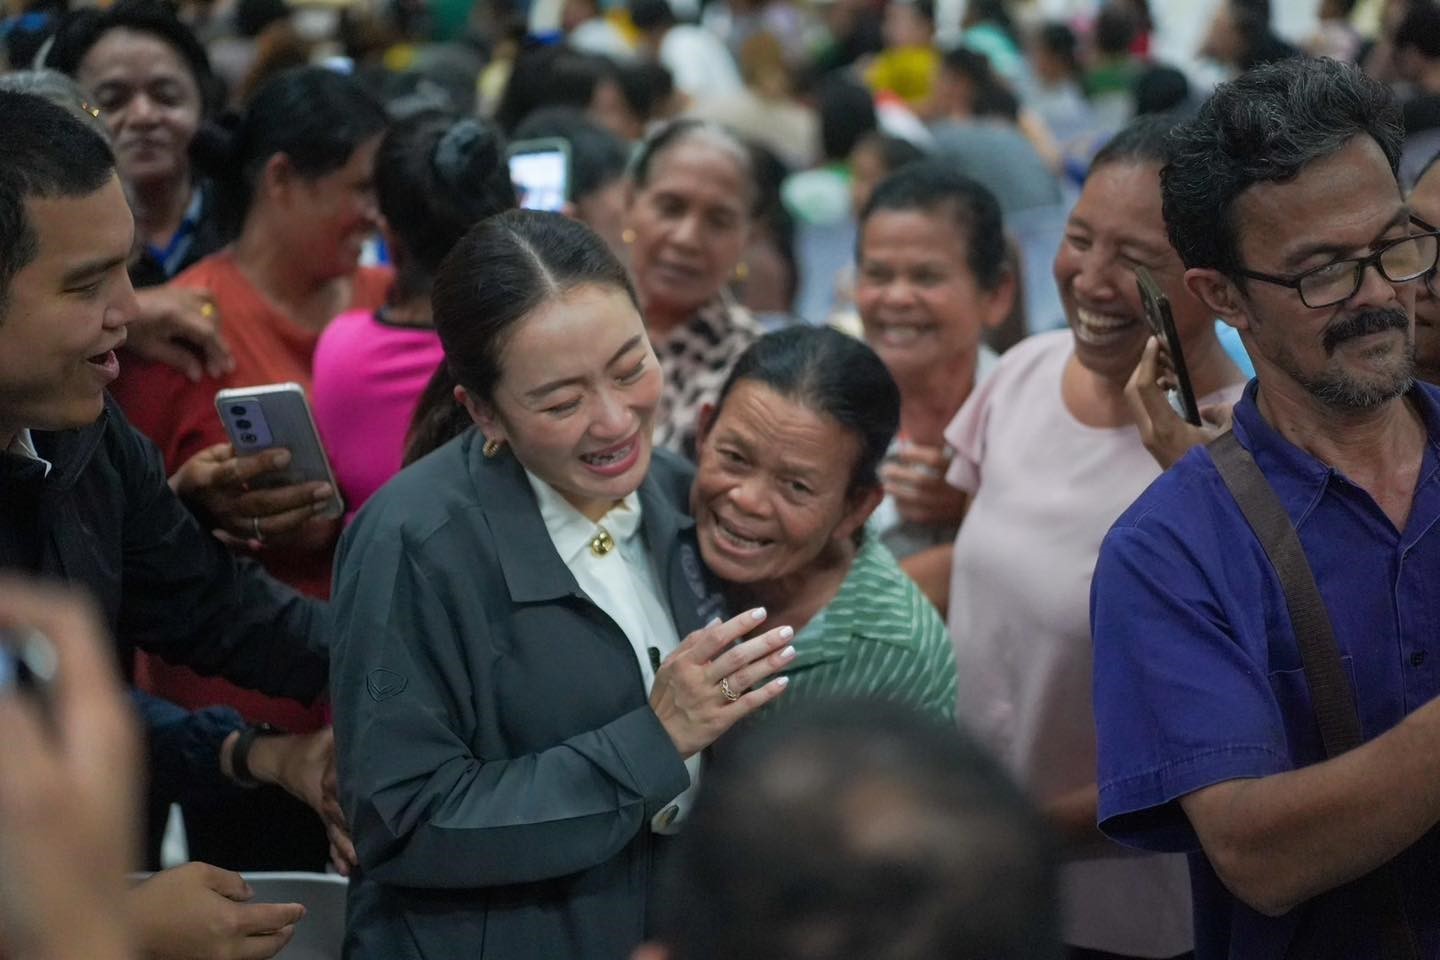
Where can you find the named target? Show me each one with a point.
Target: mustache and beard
(1342, 390)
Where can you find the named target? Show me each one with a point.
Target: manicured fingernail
(279, 458)
(322, 492)
(787, 632)
(757, 614)
(787, 653)
(781, 681)
(713, 621)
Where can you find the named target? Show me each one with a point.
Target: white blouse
(624, 583)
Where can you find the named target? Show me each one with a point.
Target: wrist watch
(240, 757)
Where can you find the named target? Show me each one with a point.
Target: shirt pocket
(1297, 711)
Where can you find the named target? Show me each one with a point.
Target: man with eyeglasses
(1282, 201)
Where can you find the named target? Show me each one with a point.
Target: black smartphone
(1162, 324)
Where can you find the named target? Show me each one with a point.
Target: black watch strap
(240, 758)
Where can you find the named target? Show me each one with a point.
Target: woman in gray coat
(518, 721)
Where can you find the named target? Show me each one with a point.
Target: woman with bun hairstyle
(436, 175)
(297, 171)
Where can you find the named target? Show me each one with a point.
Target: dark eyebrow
(553, 385)
(89, 270)
(1309, 250)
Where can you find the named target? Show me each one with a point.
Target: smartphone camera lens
(243, 424)
(238, 410)
(248, 437)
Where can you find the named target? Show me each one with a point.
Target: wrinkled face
(771, 491)
(331, 216)
(691, 222)
(918, 298)
(576, 397)
(1425, 204)
(149, 100)
(1354, 355)
(66, 311)
(1115, 227)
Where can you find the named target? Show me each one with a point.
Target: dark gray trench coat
(499, 762)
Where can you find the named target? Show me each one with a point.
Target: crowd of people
(794, 544)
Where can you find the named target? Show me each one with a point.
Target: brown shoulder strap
(1330, 695)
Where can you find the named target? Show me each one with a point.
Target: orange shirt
(180, 417)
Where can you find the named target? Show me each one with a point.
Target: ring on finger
(725, 690)
(255, 526)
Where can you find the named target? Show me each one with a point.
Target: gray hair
(1265, 127)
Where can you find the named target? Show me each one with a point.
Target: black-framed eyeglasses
(1432, 283)
(1398, 261)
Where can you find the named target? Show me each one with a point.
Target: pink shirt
(1046, 489)
(368, 377)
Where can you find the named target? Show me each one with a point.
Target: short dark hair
(316, 117)
(847, 113)
(894, 152)
(1116, 27)
(1264, 127)
(683, 130)
(1060, 41)
(1161, 88)
(651, 14)
(597, 157)
(859, 829)
(1142, 140)
(550, 77)
(1420, 30)
(934, 186)
(833, 374)
(436, 176)
(81, 30)
(46, 152)
(500, 272)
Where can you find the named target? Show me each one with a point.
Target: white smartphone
(540, 170)
(278, 415)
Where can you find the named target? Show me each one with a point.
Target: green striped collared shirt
(878, 638)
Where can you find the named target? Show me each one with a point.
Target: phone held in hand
(1162, 324)
(278, 415)
(540, 170)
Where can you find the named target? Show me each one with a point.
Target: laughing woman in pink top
(1048, 451)
(436, 175)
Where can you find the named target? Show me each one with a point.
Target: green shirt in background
(879, 638)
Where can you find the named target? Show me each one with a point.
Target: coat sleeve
(425, 810)
(191, 602)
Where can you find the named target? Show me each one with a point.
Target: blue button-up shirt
(1198, 677)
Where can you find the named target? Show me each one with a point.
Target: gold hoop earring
(627, 236)
(492, 448)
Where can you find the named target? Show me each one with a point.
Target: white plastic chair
(322, 933)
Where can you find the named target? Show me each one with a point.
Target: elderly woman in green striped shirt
(787, 477)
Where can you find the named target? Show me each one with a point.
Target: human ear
(482, 414)
(859, 506)
(1220, 295)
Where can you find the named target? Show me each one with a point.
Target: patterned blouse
(696, 358)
